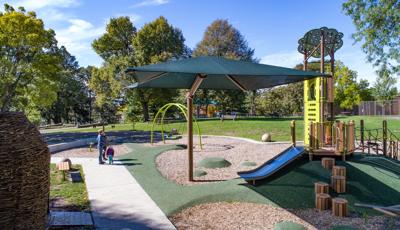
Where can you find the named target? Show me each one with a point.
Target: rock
(266, 137)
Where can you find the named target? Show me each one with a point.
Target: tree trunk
(145, 110)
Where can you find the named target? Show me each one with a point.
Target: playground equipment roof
(310, 44)
(217, 73)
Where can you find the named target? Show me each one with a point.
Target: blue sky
(272, 28)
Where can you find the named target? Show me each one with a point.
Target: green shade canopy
(219, 73)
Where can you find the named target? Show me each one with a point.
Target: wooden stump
(339, 171)
(328, 162)
(322, 201)
(338, 184)
(321, 187)
(339, 207)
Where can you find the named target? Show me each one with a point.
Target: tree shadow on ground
(293, 187)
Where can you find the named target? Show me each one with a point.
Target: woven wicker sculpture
(24, 174)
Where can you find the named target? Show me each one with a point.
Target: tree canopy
(29, 62)
(378, 28)
(117, 41)
(384, 87)
(222, 39)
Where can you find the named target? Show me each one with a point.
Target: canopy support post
(189, 101)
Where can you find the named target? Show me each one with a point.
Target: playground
(328, 174)
(312, 172)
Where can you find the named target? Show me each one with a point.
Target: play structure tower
(323, 136)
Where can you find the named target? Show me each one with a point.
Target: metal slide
(273, 165)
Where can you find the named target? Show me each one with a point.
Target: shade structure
(213, 73)
(221, 73)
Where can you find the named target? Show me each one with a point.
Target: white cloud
(77, 38)
(53, 15)
(150, 3)
(285, 58)
(135, 18)
(39, 4)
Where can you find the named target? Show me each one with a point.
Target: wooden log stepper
(328, 162)
(322, 201)
(321, 187)
(339, 171)
(339, 207)
(338, 184)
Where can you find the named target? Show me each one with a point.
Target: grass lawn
(66, 195)
(248, 128)
(290, 188)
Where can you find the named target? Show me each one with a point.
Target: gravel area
(324, 220)
(174, 164)
(119, 150)
(225, 215)
(261, 216)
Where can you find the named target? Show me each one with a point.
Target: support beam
(189, 101)
(240, 86)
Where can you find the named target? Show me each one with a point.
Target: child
(110, 155)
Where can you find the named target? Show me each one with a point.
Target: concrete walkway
(116, 198)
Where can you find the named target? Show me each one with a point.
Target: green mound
(214, 162)
(173, 137)
(343, 227)
(248, 163)
(199, 173)
(289, 225)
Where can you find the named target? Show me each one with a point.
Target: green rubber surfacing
(292, 187)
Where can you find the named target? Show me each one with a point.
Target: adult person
(101, 144)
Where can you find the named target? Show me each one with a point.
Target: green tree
(347, 90)
(117, 41)
(157, 41)
(366, 92)
(73, 101)
(107, 82)
(378, 28)
(384, 87)
(29, 62)
(222, 39)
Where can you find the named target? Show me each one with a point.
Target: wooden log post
(339, 207)
(311, 136)
(384, 137)
(293, 132)
(328, 162)
(321, 187)
(362, 135)
(339, 171)
(322, 201)
(338, 184)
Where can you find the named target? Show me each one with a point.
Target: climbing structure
(323, 136)
(162, 111)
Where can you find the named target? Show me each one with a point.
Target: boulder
(266, 137)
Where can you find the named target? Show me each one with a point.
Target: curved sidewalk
(117, 200)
